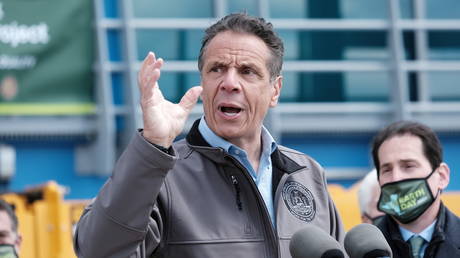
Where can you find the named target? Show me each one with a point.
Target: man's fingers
(149, 64)
(148, 61)
(158, 63)
(154, 74)
(150, 58)
(190, 98)
(153, 57)
(152, 78)
(149, 74)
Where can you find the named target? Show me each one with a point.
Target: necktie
(416, 242)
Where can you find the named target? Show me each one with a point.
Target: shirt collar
(426, 234)
(216, 141)
(268, 138)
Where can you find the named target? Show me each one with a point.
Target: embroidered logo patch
(299, 201)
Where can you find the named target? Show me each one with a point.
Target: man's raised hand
(163, 120)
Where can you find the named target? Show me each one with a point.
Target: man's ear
(277, 85)
(444, 175)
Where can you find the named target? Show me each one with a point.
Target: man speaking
(227, 189)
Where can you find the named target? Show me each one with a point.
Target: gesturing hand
(163, 120)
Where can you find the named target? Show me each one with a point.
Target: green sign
(46, 57)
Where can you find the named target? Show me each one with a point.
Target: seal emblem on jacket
(299, 201)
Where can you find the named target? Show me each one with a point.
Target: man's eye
(216, 69)
(385, 170)
(247, 71)
(410, 166)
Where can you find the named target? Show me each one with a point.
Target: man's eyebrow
(247, 63)
(399, 161)
(218, 63)
(385, 165)
(408, 160)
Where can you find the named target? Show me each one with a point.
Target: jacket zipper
(237, 190)
(270, 226)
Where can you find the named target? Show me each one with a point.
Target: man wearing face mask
(412, 175)
(10, 240)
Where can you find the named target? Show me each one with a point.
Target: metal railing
(99, 155)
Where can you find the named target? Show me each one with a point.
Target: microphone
(366, 241)
(312, 242)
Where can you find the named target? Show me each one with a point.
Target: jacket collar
(194, 136)
(196, 141)
(393, 229)
(447, 227)
(438, 233)
(445, 241)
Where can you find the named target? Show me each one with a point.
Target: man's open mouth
(230, 111)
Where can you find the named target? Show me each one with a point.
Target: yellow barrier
(45, 221)
(346, 201)
(452, 201)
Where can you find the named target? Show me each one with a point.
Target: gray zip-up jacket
(201, 202)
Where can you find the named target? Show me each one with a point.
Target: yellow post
(59, 226)
(51, 222)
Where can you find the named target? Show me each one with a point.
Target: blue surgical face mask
(406, 200)
(7, 251)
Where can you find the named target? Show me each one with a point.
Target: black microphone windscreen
(366, 241)
(312, 242)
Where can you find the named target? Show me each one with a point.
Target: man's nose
(230, 81)
(396, 175)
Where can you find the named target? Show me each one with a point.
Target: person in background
(368, 197)
(412, 175)
(227, 189)
(10, 239)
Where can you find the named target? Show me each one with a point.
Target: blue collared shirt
(426, 234)
(263, 177)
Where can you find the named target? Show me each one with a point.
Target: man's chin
(228, 132)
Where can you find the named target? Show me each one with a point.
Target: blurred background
(69, 102)
(69, 99)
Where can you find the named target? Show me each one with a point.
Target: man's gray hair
(244, 23)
